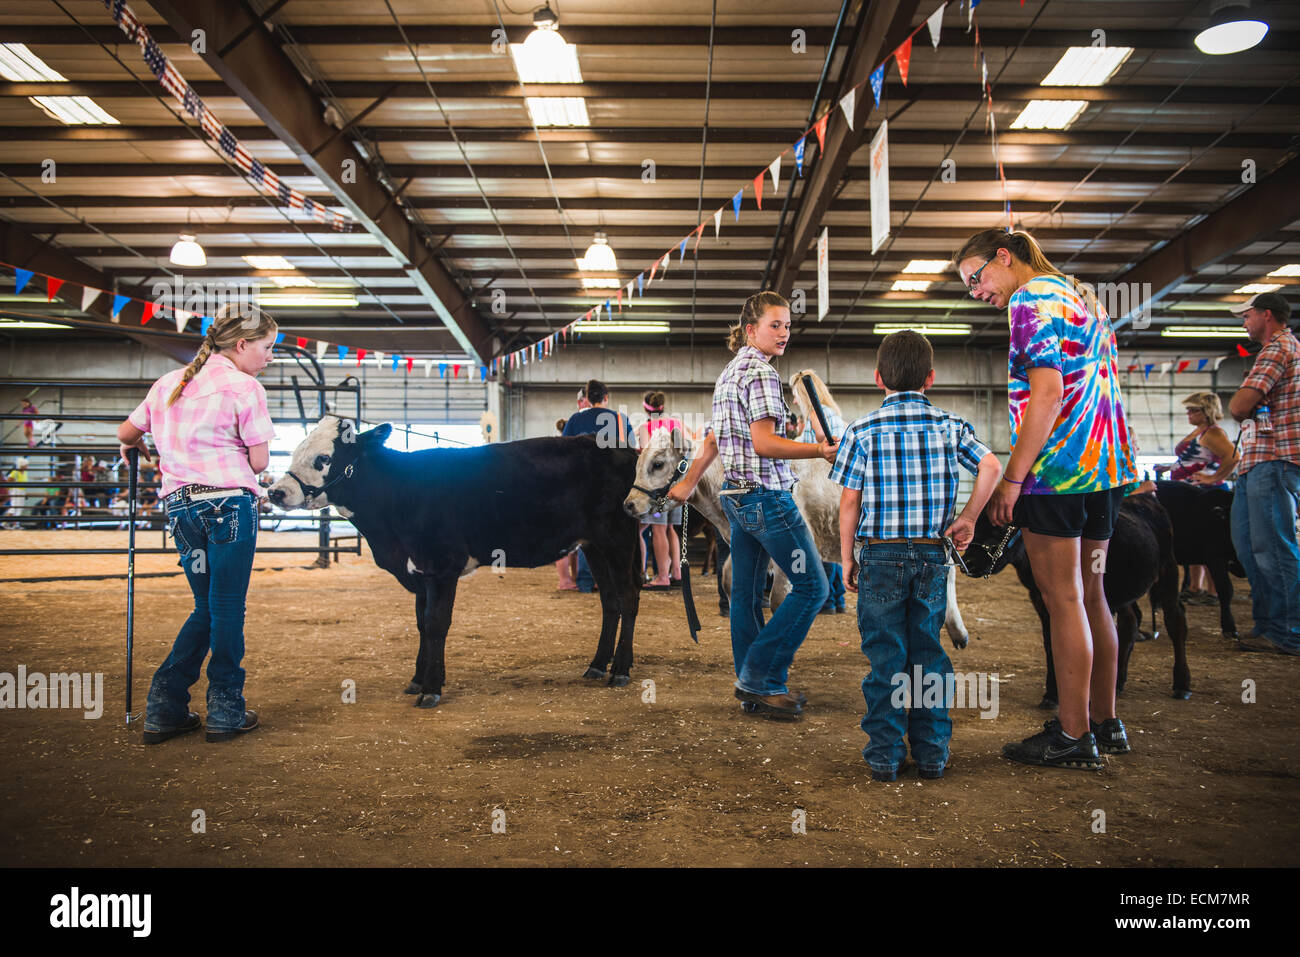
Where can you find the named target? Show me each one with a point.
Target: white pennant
(182, 317)
(88, 296)
(1164, 368)
(847, 102)
(717, 223)
(775, 170)
(1218, 362)
(935, 22)
(663, 265)
(428, 367)
(631, 284)
(970, 15)
(321, 347)
(379, 358)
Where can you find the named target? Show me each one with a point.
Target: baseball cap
(1264, 300)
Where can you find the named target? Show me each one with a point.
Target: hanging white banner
(823, 274)
(880, 186)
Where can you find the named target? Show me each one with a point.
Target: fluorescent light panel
(927, 266)
(325, 300)
(597, 282)
(948, 329)
(1049, 114)
(21, 65)
(910, 285)
(546, 61)
(558, 110)
(622, 327)
(268, 262)
(291, 282)
(75, 110)
(1087, 66)
(1290, 269)
(1257, 287)
(30, 324)
(1203, 332)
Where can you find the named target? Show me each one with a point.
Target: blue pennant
(735, 202)
(878, 82)
(204, 325)
(118, 302)
(21, 278)
(640, 284)
(798, 154)
(343, 351)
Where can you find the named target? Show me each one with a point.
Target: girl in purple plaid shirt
(765, 522)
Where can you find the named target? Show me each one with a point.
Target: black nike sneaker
(1050, 748)
(1111, 736)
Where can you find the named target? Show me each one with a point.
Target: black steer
(1202, 523)
(432, 517)
(1139, 561)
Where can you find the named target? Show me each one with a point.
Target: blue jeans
(835, 577)
(902, 600)
(766, 524)
(585, 580)
(216, 539)
(1263, 532)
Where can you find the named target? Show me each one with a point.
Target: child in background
(212, 428)
(898, 466)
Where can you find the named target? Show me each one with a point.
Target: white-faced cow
(817, 497)
(432, 517)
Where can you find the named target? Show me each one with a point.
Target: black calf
(433, 516)
(1140, 561)
(1201, 519)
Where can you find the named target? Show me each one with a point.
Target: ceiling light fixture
(30, 324)
(927, 266)
(1203, 332)
(1049, 114)
(621, 328)
(948, 329)
(314, 298)
(910, 285)
(600, 255)
(1290, 269)
(268, 262)
(1256, 287)
(558, 110)
(544, 56)
(21, 65)
(1232, 29)
(1087, 66)
(187, 252)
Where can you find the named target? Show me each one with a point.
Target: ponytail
(234, 321)
(192, 369)
(750, 314)
(986, 243)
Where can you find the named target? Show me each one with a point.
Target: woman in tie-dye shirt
(1063, 484)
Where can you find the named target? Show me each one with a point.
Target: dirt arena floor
(589, 775)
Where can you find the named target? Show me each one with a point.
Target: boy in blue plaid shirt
(898, 466)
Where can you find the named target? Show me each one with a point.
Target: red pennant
(302, 343)
(653, 266)
(52, 287)
(699, 234)
(1182, 366)
(455, 371)
(904, 57)
(1242, 351)
(149, 309)
(410, 363)
(820, 129)
(758, 188)
(620, 298)
(361, 354)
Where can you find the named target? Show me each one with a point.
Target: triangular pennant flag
(1164, 368)
(848, 101)
(654, 267)
(361, 354)
(119, 301)
(442, 370)
(970, 12)
(205, 323)
(630, 284)
(455, 371)
(428, 367)
(410, 364)
(1218, 362)
(52, 288)
(88, 296)
(482, 373)
(903, 57)
(396, 359)
(279, 338)
(149, 309)
(379, 359)
(717, 223)
(182, 319)
(758, 187)
(1182, 366)
(1242, 351)
(301, 342)
(321, 348)
(21, 278)
(775, 169)
(640, 284)
(735, 202)
(820, 129)
(935, 23)
(699, 234)
(984, 75)
(798, 154)
(682, 255)
(1146, 370)
(665, 261)
(608, 310)
(620, 298)
(878, 81)
(1201, 364)
(343, 351)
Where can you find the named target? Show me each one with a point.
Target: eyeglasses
(974, 279)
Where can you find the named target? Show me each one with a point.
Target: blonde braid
(193, 368)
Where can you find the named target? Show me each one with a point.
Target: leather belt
(740, 487)
(902, 541)
(198, 493)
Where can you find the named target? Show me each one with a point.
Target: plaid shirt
(1276, 373)
(904, 458)
(204, 436)
(748, 391)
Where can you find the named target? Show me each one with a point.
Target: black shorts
(1089, 515)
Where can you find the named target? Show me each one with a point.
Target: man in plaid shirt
(898, 466)
(1268, 476)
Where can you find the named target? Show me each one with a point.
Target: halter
(1011, 534)
(311, 491)
(659, 496)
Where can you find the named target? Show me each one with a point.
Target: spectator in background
(17, 496)
(612, 430)
(663, 525)
(28, 426)
(812, 432)
(1268, 476)
(1205, 457)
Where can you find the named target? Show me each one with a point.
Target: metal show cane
(817, 407)
(133, 462)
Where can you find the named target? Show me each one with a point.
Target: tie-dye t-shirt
(1087, 450)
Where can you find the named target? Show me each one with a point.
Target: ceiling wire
(198, 135)
(469, 166)
(704, 153)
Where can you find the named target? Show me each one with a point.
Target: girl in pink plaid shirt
(212, 429)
